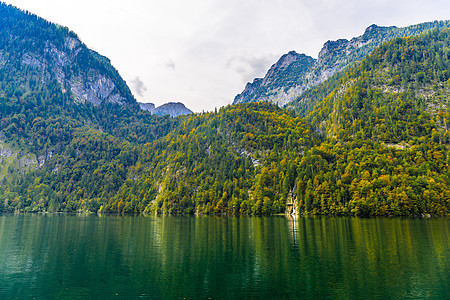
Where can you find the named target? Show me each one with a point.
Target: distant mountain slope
(35, 53)
(387, 138)
(282, 78)
(295, 73)
(173, 109)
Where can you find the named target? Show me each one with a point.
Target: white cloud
(170, 64)
(251, 66)
(138, 86)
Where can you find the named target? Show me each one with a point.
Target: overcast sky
(203, 52)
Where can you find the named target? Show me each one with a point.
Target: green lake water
(108, 257)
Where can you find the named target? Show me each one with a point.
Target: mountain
(67, 118)
(37, 53)
(48, 78)
(173, 109)
(281, 79)
(372, 139)
(386, 146)
(295, 73)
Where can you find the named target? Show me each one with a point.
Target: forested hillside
(372, 140)
(240, 160)
(387, 145)
(51, 83)
(62, 106)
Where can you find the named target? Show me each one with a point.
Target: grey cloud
(138, 86)
(170, 64)
(251, 66)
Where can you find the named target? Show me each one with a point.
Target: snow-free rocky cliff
(295, 73)
(93, 85)
(45, 54)
(174, 109)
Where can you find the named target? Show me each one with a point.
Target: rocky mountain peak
(371, 28)
(283, 63)
(330, 48)
(174, 109)
(288, 59)
(283, 73)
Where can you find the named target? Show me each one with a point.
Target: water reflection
(241, 257)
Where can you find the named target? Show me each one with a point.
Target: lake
(200, 257)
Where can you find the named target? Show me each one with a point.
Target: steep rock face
(295, 73)
(147, 106)
(281, 80)
(14, 160)
(174, 109)
(47, 53)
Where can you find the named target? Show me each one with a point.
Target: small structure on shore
(291, 208)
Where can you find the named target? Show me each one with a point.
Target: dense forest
(371, 140)
(237, 160)
(387, 145)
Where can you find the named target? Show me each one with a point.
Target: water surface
(66, 256)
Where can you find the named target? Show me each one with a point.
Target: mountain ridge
(334, 56)
(173, 109)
